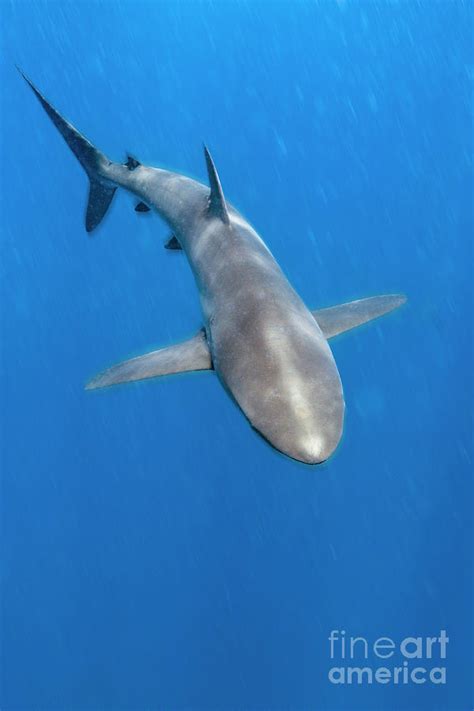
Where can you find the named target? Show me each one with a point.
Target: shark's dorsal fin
(217, 204)
(132, 163)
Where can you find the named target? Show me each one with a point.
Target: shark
(269, 350)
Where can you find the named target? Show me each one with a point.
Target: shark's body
(269, 350)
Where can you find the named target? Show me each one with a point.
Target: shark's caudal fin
(338, 319)
(217, 204)
(101, 191)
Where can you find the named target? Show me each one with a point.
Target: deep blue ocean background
(156, 553)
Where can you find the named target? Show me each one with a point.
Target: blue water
(156, 553)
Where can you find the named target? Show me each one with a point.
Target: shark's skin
(268, 349)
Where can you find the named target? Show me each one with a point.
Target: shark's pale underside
(268, 349)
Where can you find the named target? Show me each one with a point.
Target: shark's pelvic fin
(338, 319)
(101, 191)
(183, 357)
(217, 204)
(172, 243)
(141, 207)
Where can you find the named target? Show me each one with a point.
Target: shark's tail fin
(101, 191)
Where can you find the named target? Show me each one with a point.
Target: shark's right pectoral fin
(182, 357)
(338, 319)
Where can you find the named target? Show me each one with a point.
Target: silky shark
(268, 348)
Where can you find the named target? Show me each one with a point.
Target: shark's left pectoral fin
(338, 319)
(182, 357)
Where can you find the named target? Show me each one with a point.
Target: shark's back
(266, 346)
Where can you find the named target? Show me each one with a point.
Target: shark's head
(284, 378)
(304, 418)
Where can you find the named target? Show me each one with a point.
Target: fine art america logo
(412, 660)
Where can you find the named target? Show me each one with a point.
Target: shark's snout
(314, 450)
(310, 439)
